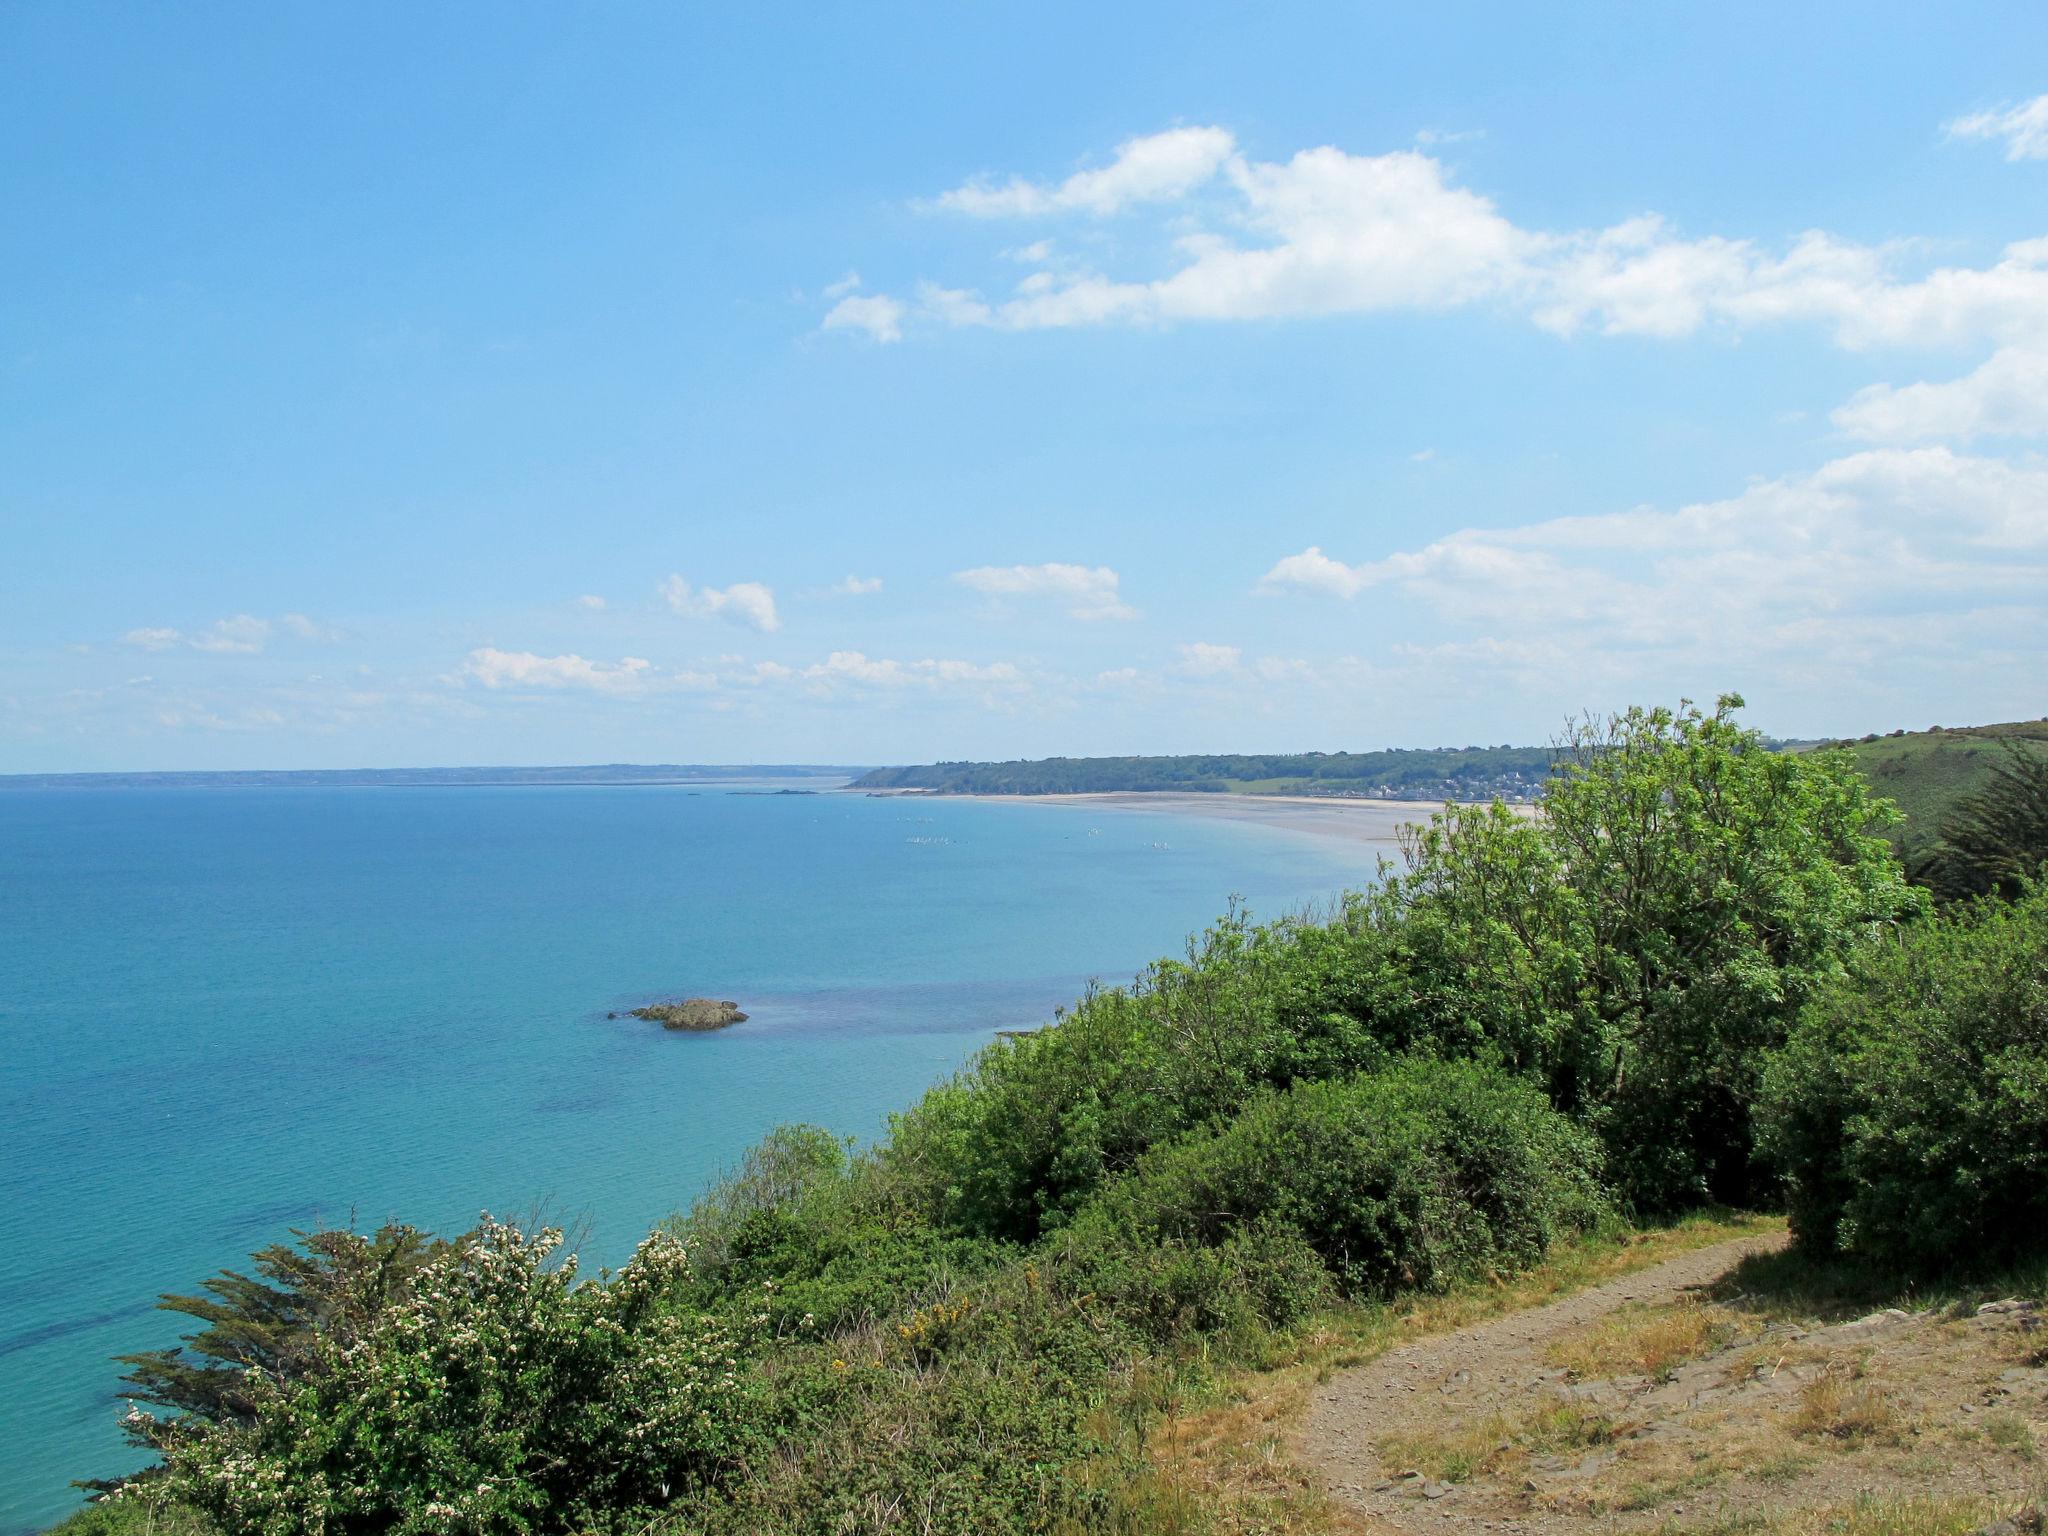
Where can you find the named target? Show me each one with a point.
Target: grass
(1839, 1406)
(1637, 1340)
(2009, 1432)
(1927, 772)
(1498, 1443)
(1876, 1517)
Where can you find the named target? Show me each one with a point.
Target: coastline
(1376, 822)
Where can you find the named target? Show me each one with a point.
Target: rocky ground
(1674, 1400)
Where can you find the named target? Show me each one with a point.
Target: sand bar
(1358, 821)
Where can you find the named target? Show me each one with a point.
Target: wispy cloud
(1789, 565)
(876, 314)
(1328, 232)
(1200, 658)
(1084, 592)
(1156, 167)
(2024, 128)
(858, 586)
(2005, 396)
(744, 602)
(524, 669)
(244, 634)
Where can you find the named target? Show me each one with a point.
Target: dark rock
(692, 1013)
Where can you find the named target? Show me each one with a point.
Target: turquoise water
(225, 1013)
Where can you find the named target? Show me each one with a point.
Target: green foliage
(1927, 774)
(494, 1394)
(1644, 944)
(267, 1331)
(1016, 1144)
(1413, 774)
(1406, 1179)
(1997, 838)
(1909, 1110)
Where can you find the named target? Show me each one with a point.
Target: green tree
(494, 1393)
(1997, 839)
(268, 1330)
(1653, 933)
(1909, 1111)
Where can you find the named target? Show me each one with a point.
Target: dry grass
(1228, 1456)
(1880, 1517)
(2009, 1432)
(1499, 1443)
(1839, 1405)
(1637, 1340)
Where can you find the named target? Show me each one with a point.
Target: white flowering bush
(495, 1394)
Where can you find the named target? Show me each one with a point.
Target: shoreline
(1376, 822)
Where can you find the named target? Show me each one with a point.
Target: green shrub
(1642, 945)
(1408, 1178)
(1016, 1144)
(496, 1394)
(1909, 1111)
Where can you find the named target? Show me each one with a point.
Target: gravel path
(1499, 1361)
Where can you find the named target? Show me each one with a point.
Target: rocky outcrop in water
(692, 1013)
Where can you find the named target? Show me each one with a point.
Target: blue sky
(517, 384)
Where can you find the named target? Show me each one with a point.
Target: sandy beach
(1359, 821)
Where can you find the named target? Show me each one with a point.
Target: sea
(229, 1013)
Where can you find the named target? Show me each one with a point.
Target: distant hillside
(1927, 772)
(1442, 773)
(387, 778)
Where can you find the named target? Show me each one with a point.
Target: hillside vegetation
(1442, 773)
(1533, 1030)
(1928, 773)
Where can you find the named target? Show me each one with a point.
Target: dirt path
(1495, 1362)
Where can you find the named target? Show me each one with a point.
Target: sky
(391, 385)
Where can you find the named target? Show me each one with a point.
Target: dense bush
(1909, 1111)
(495, 1394)
(1406, 1179)
(1024, 1137)
(1644, 944)
(1636, 950)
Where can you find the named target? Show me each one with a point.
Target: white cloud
(2024, 128)
(843, 287)
(744, 602)
(523, 669)
(858, 586)
(1156, 167)
(876, 672)
(876, 313)
(591, 601)
(1084, 592)
(310, 629)
(152, 639)
(244, 634)
(1199, 658)
(1328, 232)
(2005, 396)
(1787, 568)
(1314, 571)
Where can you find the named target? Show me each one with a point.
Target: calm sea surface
(226, 1013)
